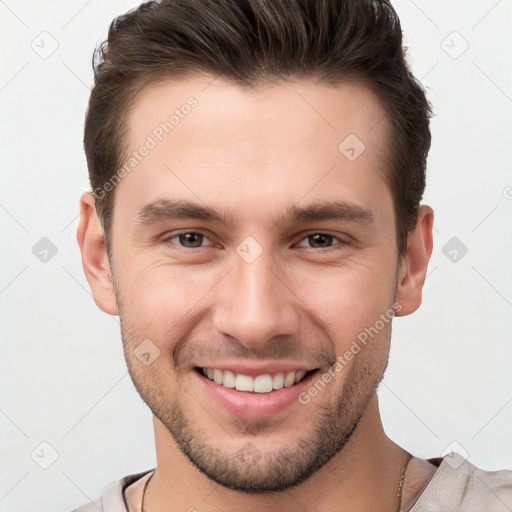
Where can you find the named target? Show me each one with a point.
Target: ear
(94, 255)
(413, 266)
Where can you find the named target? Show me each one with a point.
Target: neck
(363, 476)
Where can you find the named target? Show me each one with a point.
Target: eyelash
(168, 240)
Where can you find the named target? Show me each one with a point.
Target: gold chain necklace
(401, 484)
(398, 492)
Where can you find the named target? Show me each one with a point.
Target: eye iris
(318, 238)
(196, 239)
(193, 239)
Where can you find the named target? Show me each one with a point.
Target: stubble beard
(249, 469)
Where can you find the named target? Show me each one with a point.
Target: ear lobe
(413, 267)
(94, 256)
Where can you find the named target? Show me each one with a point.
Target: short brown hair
(253, 42)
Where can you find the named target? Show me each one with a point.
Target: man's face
(258, 291)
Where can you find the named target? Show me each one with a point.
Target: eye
(187, 240)
(195, 240)
(320, 240)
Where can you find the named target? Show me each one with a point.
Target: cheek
(346, 300)
(161, 302)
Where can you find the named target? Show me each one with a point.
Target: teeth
(299, 376)
(218, 376)
(261, 384)
(289, 380)
(244, 383)
(278, 381)
(229, 379)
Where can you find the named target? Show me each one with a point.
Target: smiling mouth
(265, 383)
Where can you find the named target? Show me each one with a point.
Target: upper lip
(254, 369)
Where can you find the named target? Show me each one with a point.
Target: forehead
(212, 140)
(275, 110)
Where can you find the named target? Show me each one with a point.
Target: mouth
(263, 383)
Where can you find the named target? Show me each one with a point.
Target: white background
(63, 378)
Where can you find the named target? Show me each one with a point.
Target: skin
(252, 154)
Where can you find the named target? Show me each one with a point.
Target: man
(257, 168)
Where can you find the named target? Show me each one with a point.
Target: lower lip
(253, 405)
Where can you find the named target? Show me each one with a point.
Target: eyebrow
(166, 209)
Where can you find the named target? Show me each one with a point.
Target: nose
(255, 303)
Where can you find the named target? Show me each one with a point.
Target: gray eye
(190, 240)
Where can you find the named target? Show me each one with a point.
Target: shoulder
(460, 486)
(92, 506)
(112, 498)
